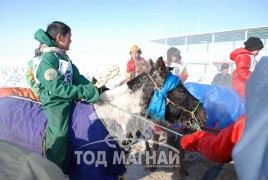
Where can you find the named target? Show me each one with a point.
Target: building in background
(204, 53)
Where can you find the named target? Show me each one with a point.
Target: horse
(223, 107)
(184, 109)
(105, 123)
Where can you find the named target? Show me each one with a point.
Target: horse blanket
(22, 121)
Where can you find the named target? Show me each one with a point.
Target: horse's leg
(174, 141)
(155, 146)
(147, 145)
(171, 141)
(155, 138)
(181, 169)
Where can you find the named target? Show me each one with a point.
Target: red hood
(237, 52)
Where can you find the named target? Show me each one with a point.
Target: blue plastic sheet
(223, 105)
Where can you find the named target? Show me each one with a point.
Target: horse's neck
(118, 121)
(112, 118)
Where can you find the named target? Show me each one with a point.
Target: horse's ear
(93, 80)
(181, 87)
(160, 65)
(170, 68)
(151, 63)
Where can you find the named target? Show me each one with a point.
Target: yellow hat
(135, 48)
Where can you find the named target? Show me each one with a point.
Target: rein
(192, 113)
(142, 118)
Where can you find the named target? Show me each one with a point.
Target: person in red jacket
(216, 148)
(245, 61)
(245, 141)
(137, 64)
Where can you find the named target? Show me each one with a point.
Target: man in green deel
(60, 85)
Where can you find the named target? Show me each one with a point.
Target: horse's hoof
(185, 173)
(151, 168)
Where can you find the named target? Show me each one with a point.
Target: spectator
(60, 86)
(246, 141)
(223, 78)
(245, 61)
(31, 69)
(175, 64)
(137, 64)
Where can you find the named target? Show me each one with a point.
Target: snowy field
(12, 76)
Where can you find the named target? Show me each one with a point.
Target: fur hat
(253, 44)
(224, 66)
(173, 51)
(135, 48)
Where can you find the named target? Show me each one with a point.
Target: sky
(104, 30)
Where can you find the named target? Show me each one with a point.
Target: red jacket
(217, 148)
(245, 64)
(135, 67)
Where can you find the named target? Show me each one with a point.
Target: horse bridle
(192, 113)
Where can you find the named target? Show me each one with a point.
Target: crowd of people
(222, 147)
(242, 143)
(59, 84)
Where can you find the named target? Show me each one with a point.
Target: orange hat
(135, 48)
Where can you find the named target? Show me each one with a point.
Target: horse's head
(136, 95)
(182, 102)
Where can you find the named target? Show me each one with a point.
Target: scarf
(157, 107)
(44, 48)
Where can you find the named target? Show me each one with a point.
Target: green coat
(59, 88)
(53, 86)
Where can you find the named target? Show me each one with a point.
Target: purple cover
(23, 122)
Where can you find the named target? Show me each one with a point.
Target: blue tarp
(223, 105)
(23, 122)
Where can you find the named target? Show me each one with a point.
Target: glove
(217, 148)
(190, 142)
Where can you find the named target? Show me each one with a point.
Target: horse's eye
(181, 89)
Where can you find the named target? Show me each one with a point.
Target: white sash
(65, 68)
(253, 61)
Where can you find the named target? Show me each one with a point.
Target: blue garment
(223, 105)
(250, 154)
(157, 106)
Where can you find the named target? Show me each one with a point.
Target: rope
(197, 106)
(43, 143)
(197, 127)
(192, 113)
(142, 118)
(169, 101)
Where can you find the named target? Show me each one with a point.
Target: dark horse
(119, 111)
(184, 109)
(223, 107)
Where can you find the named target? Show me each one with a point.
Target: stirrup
(43, 143)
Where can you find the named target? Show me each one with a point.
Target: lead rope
(43, 143)
(141, 118)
